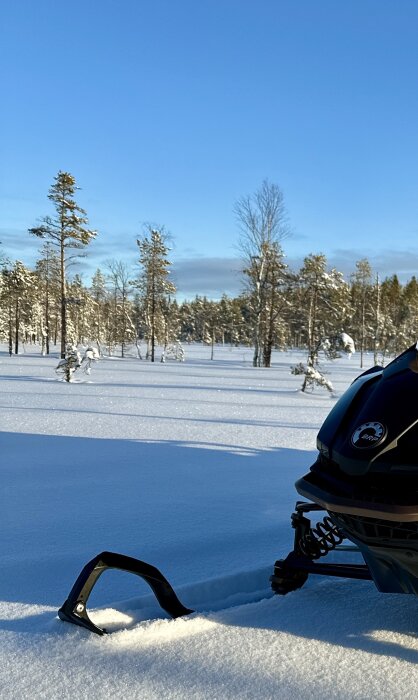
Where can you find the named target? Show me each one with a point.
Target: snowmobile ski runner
(75, 607)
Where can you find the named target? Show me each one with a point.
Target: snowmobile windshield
(406, 362)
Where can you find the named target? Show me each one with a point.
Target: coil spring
(321, 539)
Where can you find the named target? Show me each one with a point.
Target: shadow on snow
(195, 511)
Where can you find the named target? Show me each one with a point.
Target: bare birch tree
(263, 222)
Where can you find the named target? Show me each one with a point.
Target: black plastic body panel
(385, 397)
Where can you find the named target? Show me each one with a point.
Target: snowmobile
(365, 478)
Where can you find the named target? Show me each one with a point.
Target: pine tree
(393, 314)
(363, 304)
(99, 295)
(18, 283)
(66, 230)
(122, 326)
(47, 272)
(153, 283)
(323, 303)
(80, 312)
(410, 303)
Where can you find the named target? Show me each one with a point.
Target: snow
(189, 466)
(348, 343)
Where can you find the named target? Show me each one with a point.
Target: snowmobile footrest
(75, 607)
(291, 573)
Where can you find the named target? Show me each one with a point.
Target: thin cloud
(208, 276)
(403, 263)
(19, 244)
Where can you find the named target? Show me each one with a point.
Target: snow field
(189, 466)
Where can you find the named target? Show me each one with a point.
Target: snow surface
(189, 466)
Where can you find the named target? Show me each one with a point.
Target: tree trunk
(10, 331)
(47, 320)
(63, 306)
(17, 323)
(153, 321)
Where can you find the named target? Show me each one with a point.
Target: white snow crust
(190, 466)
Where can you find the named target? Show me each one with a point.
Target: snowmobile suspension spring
(321, 539)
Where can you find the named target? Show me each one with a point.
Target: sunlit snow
(190, 466)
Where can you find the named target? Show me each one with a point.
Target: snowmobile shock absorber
(310, 544)
(321, 539)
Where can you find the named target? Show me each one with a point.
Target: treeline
(315, 305)
(279, 308)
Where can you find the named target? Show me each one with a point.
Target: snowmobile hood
(374, 425)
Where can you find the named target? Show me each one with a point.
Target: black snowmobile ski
(75, 607)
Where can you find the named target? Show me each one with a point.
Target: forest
(122, 310)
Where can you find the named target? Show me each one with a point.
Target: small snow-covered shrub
(70, 363)
(73, 361)
(91, 355)
(300, 368)
(335, 346)
(312, 377)
(173, 351)
(348, 344)
(332, 347)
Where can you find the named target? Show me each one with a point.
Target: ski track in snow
(191, 467)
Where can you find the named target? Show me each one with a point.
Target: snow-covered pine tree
(73, 361)
(410, 304)
(392, 316)
(80, 312)
(67, 231)
(18, 283)
(70, 363)
(99, 295)
(154, 284)
(171, 333)
(121, 326)
(324, 299)
(47, 273)
(363, 304)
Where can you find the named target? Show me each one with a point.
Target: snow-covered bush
(91, 355)
(312, 376)
(332, 349)
(347, 343)
(174, 351)
(68, 365)
(73, 361)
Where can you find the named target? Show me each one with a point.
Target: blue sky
(169, 111)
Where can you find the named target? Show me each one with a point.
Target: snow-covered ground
(189, 466)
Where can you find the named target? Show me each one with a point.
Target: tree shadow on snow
(191, 509)
(196, 511)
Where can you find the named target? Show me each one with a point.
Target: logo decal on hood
(368, 435)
